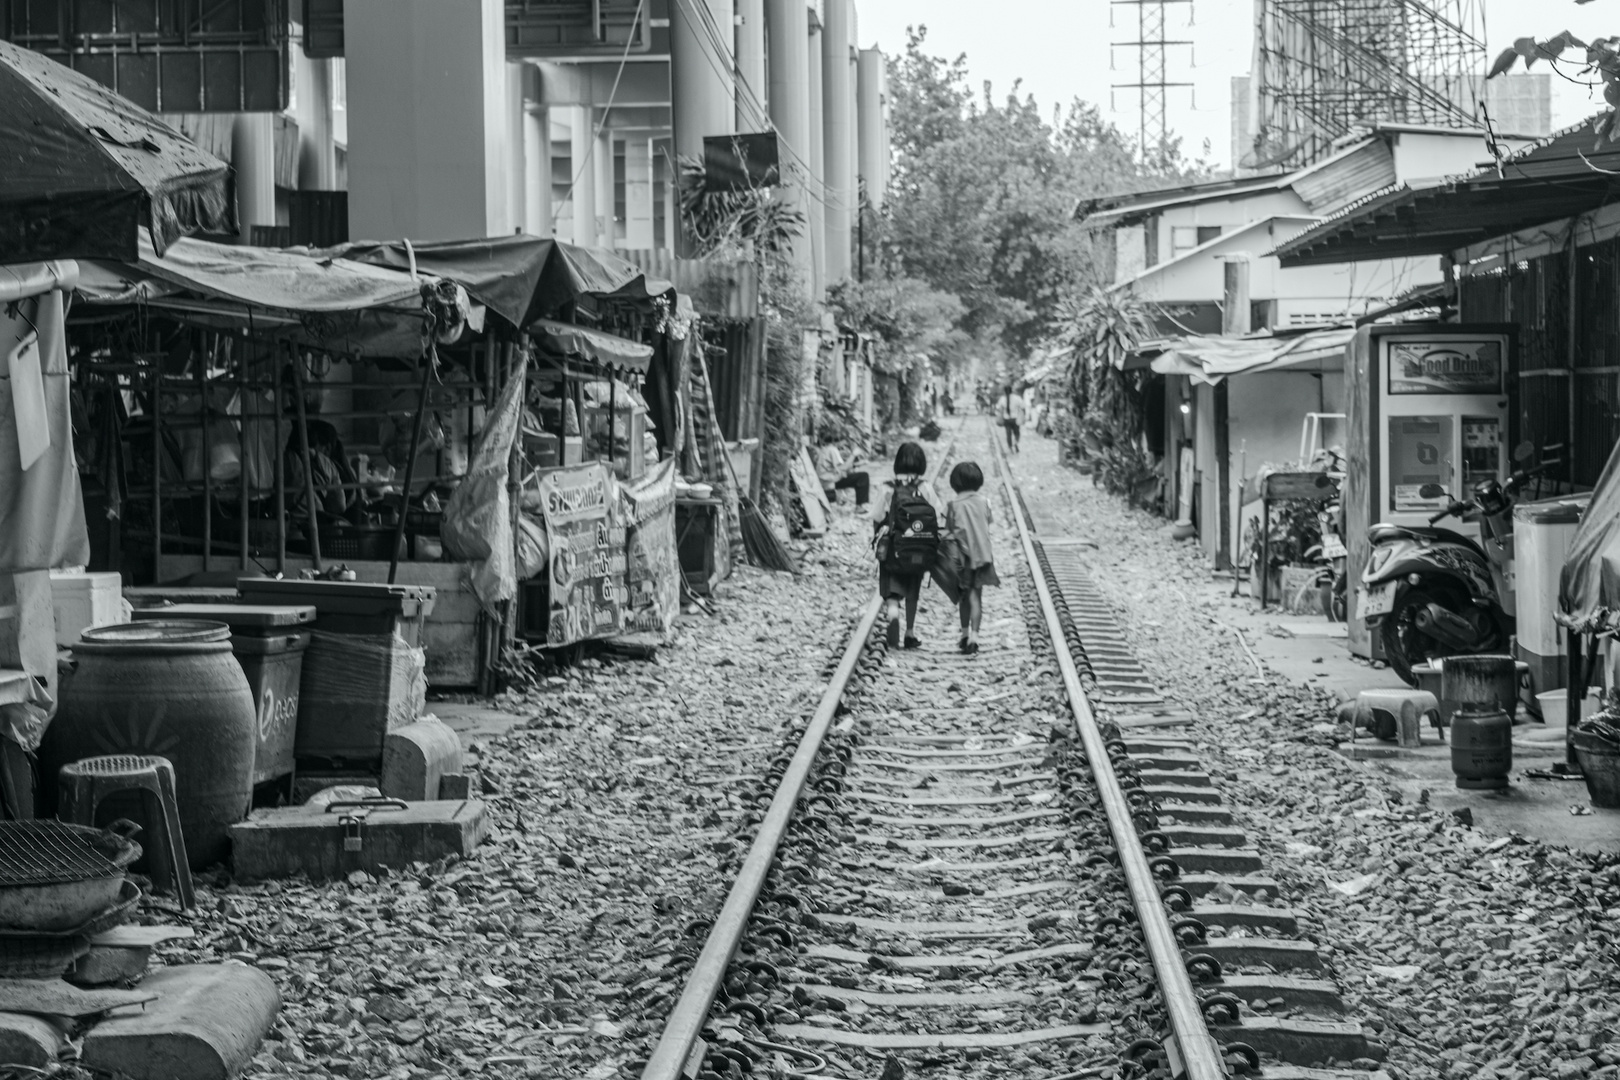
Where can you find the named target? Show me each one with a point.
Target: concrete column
(427, 118)
(638, 193)
(837, 125)
(817, 156)
(750, 65)
(512, 147)
(602, 164)
(317, 150)
(537, 171)
(872, 95)
(788, 42)
(253, 156)
(582, 174)
(702, 90)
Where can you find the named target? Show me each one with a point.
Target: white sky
(1060, 48)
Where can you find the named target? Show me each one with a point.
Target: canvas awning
(1589, 586)
(520, 278)
(1211, 359)
(286, 280)
(566, 342)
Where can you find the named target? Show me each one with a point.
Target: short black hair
(967, 476)
(910, 460)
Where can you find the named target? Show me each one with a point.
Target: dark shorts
(1012, 427)
(980, 577)
(897, 586)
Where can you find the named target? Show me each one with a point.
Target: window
(1183, 238)
(659, 192)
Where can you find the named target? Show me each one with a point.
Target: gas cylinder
(1481, 745)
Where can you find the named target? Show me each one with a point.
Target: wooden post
(280, 466)
(157, 471)
(309, 470)
(243, 491)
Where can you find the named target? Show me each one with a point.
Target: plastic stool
(84, 784)
(1397, 715)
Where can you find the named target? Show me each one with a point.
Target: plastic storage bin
(269, 642)
(349, 607)
(83, 601)
(1542, 534)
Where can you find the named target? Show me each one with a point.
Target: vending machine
(1427, 406)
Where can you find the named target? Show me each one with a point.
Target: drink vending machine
(1426, 404)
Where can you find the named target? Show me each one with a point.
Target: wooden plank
(965, 822)
(1037, 837)
(945, 1040)
(940, 962)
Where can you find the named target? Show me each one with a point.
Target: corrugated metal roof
(716, 288)
(1347, 176)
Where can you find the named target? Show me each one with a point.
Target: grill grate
(50, 853)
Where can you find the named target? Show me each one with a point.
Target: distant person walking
(906, 534)
(1012, 412)
(967, 520)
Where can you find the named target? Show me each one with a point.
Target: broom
(765, 548)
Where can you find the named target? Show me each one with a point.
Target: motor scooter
(1430, 592)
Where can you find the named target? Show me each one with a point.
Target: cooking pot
(91, 861)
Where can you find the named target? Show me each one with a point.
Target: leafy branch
(1602, 60)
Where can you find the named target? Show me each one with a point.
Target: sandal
(971, 647)
(913, 642)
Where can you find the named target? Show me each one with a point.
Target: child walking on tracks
(967, 521)
(906, 534)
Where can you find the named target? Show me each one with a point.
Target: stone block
(328, 844)
(105, 965)
(206, 1024)
(31, 1041)
(416, 757)
(457, 785)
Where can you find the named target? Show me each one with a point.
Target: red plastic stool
(84, 784)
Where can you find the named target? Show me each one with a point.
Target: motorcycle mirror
(1524, 451)
(1431, 491)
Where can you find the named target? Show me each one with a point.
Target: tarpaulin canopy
(563, 341)
(83, 169)
(258, 277)
(1589, 586)
(520, 278)
(1211, 359)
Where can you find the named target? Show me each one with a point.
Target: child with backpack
(967, 522)
(907, 535)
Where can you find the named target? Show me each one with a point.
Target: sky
(1061, 50)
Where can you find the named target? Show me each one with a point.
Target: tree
(1602, 60)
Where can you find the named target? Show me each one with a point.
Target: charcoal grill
(55, 876)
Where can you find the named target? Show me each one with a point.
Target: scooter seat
(1384, 532)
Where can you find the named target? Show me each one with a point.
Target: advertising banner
(652, 568)
(1446, 367)
(586, 536)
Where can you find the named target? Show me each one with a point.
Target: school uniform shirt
(880, 506)
(969, 521)
(1013, 408)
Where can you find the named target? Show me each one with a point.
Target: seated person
(835, 475)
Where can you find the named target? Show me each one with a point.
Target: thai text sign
(652, 572)
(586, 535)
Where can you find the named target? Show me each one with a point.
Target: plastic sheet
(1589, 587)
(478, 520)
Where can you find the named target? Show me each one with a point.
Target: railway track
(1001, 865)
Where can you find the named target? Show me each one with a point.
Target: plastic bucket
(1555, 706)
(1600, 762)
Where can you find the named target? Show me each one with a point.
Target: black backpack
(913, 532)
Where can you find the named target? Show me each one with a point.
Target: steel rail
(691, 1011)
(1192, 1051)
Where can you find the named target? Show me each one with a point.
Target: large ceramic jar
(171, 689)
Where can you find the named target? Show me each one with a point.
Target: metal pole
(280, 467)
(157, 470)
(1190, 1043)
(242, 414)
(309, 470)
(207, 463)
(410, 465)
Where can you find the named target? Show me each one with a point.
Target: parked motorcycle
(1332, 579)
(1431, 592)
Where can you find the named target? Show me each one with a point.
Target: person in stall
(329, 465)
(835, 473)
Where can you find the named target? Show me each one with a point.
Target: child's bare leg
(973, 611)
(913, 594)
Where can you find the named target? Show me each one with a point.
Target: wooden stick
(309, 469)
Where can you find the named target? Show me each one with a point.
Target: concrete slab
(32, 1042)
(475, 721)
(1315, 652)
(206, 1024)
